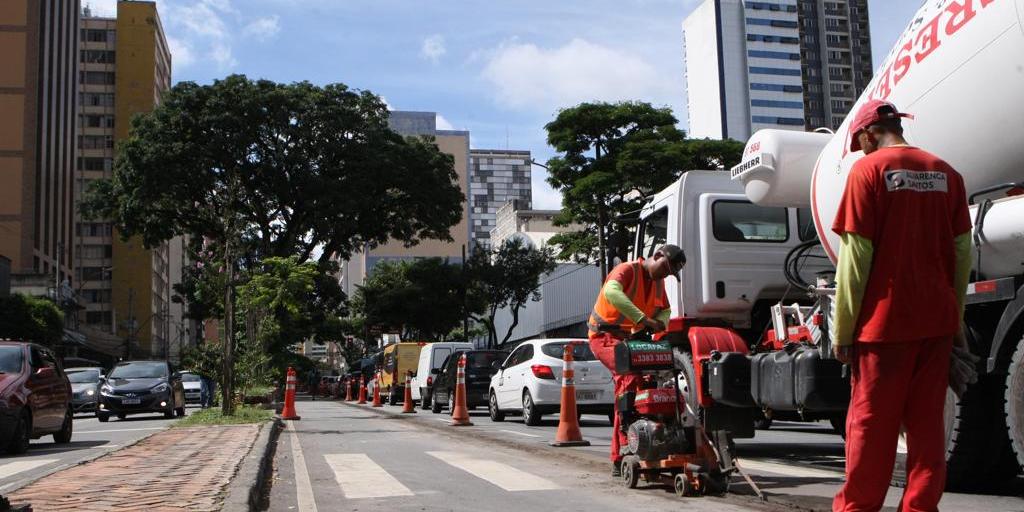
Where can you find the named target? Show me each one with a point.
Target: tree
(508, 277)
(31, 319)
(614, 156)
(257, 169)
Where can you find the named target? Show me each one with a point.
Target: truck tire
(688, 382)
(1015, 401)
(393, 395)
(978, 454)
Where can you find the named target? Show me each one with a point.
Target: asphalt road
(796, 464)
(89, 440)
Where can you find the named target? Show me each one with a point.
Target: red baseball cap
(870, 113)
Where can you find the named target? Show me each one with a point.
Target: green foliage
(213, 416)
(507, 276)
(614, 156)
(31, 319)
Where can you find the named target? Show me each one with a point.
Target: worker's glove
(962, 371)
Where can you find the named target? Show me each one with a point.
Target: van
(398, 360)
(431, 357)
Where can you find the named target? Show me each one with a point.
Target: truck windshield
(10, 359)
(654, 232)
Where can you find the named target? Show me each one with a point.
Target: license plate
(586, 395)
(131, 401)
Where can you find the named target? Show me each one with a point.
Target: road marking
(80, 432)
(502, 475)
(442, 420)
(303, 489)
(788, 470)
(360, 477)
(518, 433)
(13, 468)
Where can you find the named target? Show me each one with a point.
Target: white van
(431, 357)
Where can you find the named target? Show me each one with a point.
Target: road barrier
(376, 392)
(460, 413)
(407, 407)
(568, 417)
(348, 390)
(288, 413)
(362, 390)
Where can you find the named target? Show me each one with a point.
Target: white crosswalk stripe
(13, 468)
(501, 475)
(360, 477)
(787, 469)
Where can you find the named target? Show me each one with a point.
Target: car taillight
(430, 381)
(542, 371)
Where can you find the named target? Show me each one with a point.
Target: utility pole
(131, 325)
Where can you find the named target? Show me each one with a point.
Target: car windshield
(84, 376)
(189, 377)
(10, 359)
(580, 351)
(139, 370)
(483, 360)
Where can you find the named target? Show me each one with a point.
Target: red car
(35, 396)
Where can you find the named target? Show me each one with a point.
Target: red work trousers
(896, 384)
(603, 346)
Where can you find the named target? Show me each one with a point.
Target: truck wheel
(392, 396)
(1015, 401)
(688, 382)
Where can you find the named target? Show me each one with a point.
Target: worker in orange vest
(632, 299)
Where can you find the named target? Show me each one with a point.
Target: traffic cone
(362, 390)
(407, 407)
(348, 390)
(376, 393)
(460, 413)
(288, 413)
(568, 422)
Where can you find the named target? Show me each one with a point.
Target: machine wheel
(682, 485)
(63, 436)
(687, 381)
(424, 399)
(492, 408)
(630, 471)
(392, 396)
(716, 484)
(762, 422)
(531, 416)
(22, 434)
(435, 405)
(1015, 401)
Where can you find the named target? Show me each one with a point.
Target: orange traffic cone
(288, 413)
(407, 407)
(376, 393)
(568, 422)
(460, 413)
(348, 390)
(362, 390)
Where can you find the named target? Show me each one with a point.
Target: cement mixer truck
(959, 68)
(755, 297)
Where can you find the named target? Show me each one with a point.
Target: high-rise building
(835, 46)
(126, 288)
(774, 64)
(495, 178)
(38, 96)
(452, 142)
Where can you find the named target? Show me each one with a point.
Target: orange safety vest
(648, 295)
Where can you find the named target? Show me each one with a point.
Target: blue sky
(498, 68)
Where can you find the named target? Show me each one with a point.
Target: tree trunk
(515, 322)
(602, 222)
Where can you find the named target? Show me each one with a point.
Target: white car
(529, 381)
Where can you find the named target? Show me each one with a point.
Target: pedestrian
(632, 299)
(904, 262)
(207, 390)
(313, 379)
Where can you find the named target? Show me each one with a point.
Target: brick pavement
(178, 469)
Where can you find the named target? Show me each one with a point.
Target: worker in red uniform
(632, 299)
(904, 263)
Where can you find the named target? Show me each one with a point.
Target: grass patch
(213, 416)
(257, 390)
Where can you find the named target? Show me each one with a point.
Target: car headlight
(90, 392)
(160, 388)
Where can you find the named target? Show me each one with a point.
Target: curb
(245, 491)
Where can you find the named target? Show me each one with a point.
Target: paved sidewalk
(180, 469)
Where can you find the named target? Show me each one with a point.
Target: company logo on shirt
(915, 181)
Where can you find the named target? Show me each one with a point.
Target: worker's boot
(617, 469)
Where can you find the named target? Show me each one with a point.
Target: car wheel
(451, 404)
(122, 416)
(63, 436)
(531, 416)
(180, 412)
(424, 399)
(22, 434)
(103, 417)
(435, 405)
(169, 413)
(492, 408)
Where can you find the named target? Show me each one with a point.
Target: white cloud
(433, 48)
(200, 19)
(524, 75)
(181, 53)
(221, 54)
(443, 124)
(262, 28)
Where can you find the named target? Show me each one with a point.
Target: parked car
(193, 385)
(529, 381)
(136, 387)
(432, 357)
(35, 396)
(480, 366)
(85, 388)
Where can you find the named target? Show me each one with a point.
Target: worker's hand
(843, 353)
(962, 369)
(960, 339)
(652, 324)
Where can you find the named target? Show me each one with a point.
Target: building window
(770, 6)
(88, 163)
(788, 121)
(775, 87)
(776, 104)
(96, 77)
(773, 39)
(92, 35)
(98, 317)
(95, 142)
(774, 71)
(96, 121)
(97, 56)
(97, 99)
(94, 229)
(772, 23)
(762, 54)
(97, 251)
